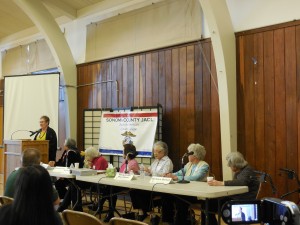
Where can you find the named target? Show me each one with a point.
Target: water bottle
(142, 171)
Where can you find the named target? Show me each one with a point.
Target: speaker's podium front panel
(13, 150)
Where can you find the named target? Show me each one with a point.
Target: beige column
(62, 55)
(223, 40)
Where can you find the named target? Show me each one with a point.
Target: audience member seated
(29, 157)
(70, 156)
(159, 167)
(129, 164)
(33, 200)
(195, 170)
(243, 176)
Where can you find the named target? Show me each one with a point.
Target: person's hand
(171, 176)
(215, 183)
(147, 170)
(51, 163)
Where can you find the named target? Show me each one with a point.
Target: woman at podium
(47, 133)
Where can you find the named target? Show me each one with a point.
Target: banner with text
(132, 127)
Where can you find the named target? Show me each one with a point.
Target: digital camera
(268, 210)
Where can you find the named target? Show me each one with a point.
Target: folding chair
(122, 221)
(71, 217)
(4, 200)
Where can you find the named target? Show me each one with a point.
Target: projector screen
(26, 99)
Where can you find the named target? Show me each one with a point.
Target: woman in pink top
(129, 163)
(93, 159)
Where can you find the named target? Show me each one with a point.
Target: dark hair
(46, 118)
(33, 203)
(130, 151)
(30, 156)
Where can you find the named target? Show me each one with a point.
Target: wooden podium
(13, 150)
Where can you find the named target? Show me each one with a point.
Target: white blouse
(161, 167)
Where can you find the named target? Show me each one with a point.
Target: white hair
(236, 159)
(162, 146)
(91, 152)
(199, 150)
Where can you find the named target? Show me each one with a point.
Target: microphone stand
(11, 136)
(183, 181)
(126, 162)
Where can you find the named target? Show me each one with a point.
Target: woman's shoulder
(133, 161)
(50, 130)
(166, 158)
(100, 158)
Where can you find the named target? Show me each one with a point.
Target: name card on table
(63, 170)
(161, 180)
(124, 176)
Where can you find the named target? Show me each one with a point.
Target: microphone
(11, 136)
(183, 181)
(33, 132)
(188, 153)
(126, 160)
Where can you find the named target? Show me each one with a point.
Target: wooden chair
(71, 217)
(122, 221)
(4, 200)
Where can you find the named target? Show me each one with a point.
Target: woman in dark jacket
(47, 133)
(71, 155)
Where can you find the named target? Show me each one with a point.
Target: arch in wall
(223, 42)
(61, 52)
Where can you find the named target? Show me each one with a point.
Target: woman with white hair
(243, 176)
(162, 163)
(159, 167)
(196, 169)
(243, 173)
(94, 160)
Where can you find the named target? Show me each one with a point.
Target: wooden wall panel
(179, 78)
(268, 101)
(269, 106)
(215, 119)
(175, 154)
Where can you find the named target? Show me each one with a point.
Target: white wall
(250, 14)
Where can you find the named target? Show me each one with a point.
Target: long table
(201, 190)
(198, 189)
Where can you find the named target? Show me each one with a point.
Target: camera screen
(244, 213)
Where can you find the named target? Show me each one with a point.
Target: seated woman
(159, 167)
(33, 204)
(71, 155)
(243, 173)
(195, 170)
(94, 160)
(129, 164)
